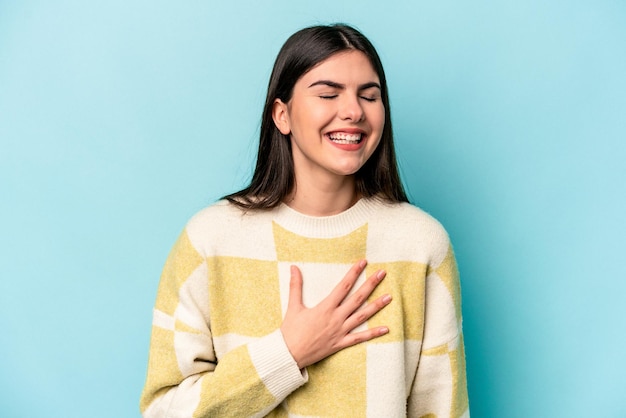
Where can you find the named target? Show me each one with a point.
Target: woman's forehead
(351, 66)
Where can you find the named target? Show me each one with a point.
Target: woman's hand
(312, 334)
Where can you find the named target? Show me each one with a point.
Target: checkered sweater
(216, 349)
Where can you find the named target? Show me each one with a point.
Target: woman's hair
(273, 177)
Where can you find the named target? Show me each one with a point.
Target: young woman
(317, 290)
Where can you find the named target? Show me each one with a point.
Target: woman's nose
(351, 109)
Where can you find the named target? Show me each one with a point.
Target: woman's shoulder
(405, 222)
(407, 215)
(221, 214)
(214, 211)
(225, 226)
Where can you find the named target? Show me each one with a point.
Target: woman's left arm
(440, 386)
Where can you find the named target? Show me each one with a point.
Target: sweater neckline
(326, 226)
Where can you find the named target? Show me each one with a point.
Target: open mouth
(345, 138)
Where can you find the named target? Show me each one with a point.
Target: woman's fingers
(312, 334)
(361, 315)
(344, 287)
(295, 289)
(359, 337)
(359, 297)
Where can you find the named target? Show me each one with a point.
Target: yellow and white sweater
(216, 348)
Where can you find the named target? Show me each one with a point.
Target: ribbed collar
(326, 226)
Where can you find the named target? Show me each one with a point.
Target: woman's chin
(348, 168)
(346, 172)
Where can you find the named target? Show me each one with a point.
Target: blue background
(119, 120)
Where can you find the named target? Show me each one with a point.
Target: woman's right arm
(250, 380)
(185, 378)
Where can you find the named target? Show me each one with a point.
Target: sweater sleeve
(185, 378)
(440, 386)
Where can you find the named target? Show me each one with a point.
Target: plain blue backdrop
(120, 119)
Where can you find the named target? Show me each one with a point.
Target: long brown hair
(273, 177)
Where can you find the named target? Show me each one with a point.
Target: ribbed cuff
(276, 366)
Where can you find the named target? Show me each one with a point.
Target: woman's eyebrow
(328, 83)
(335, 85)
(369, 85)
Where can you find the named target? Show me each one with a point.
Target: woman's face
(335, 117)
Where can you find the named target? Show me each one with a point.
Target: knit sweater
(216, 348)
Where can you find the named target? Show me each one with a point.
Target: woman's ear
(280, 114)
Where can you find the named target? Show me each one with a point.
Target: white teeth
(345, 138)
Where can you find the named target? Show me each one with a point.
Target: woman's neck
(318, 198)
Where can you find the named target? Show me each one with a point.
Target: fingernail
(387, 298)
(383, 330)
(381, 274)
(362, 263)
